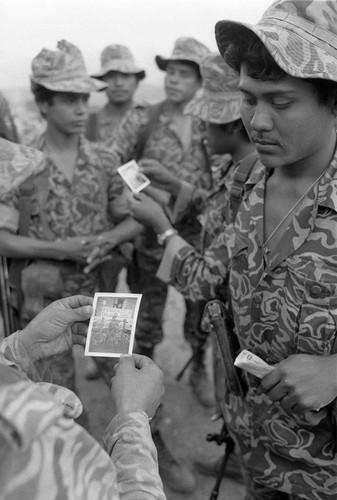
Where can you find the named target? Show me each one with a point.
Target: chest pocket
(309, 310)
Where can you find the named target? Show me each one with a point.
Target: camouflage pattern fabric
(38, 417)
(119, 58)
(288, 452)
(165, 146)
(8, 129)
(101, 125)
(79, 208)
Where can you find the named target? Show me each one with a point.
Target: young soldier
(122, 76)
(69, 217)
(281, 251)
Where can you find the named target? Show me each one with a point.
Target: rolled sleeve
(9, 217)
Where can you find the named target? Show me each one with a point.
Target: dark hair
(42, 94)
(261, 65)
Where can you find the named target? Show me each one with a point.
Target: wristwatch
(162, 237)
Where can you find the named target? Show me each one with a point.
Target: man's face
(121, 86)
(284, 120)
(67, 113)
(181, 82)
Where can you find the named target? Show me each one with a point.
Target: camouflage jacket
(45, 454)
(101, 125)
(164, 144)
(283, 303)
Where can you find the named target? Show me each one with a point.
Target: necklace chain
(265, 247)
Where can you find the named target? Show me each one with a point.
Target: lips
(261, 142)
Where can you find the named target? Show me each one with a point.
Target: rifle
(6, 309)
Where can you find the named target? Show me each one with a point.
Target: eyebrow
(287, 92)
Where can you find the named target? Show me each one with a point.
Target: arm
(124, 140)
(136, 390)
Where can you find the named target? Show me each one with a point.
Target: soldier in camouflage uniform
(279, 254)
(122, 76)
(73, 218)
(43, 453)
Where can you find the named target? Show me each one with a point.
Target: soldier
(279, 254)
(69, 218)
(122, 76)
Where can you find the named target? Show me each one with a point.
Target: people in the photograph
(278, 253)
(40, 440)
(122, 76)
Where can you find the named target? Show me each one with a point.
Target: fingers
(76, 301)
(142, 361)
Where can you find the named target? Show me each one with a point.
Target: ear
(43, 107)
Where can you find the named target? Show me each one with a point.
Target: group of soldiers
(68, 225)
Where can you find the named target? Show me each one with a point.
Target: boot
(213, 467)
(199, 380)
(173, 473)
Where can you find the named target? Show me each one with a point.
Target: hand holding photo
(132, 176)
(112, 326)
(253, 364)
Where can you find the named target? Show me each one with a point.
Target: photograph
(131, 175)
(113, 324)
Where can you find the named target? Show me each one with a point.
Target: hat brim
(289, 49)
(74, 86)
(140, 73)
(162, 62)
(218, 109)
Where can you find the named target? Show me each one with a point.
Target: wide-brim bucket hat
(219, 99)
(300, 35)
(119, 58)
(185, 49)
(63, 70)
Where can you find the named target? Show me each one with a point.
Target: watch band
(162, 237)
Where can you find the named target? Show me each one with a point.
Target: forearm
(23, 247)
(197, 276)
(126, 230)
(129, 443)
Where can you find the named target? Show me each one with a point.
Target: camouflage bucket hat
(118, 58)
(219, 99)
(300, 35)
(185, 49)
(63, 70)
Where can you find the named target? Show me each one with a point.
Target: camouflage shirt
(45, 454)
(284, 303)
(102, 124)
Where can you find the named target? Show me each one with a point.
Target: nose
(82, 106)
(260, 118)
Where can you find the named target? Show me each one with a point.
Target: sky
(147, 27)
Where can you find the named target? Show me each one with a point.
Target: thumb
(126, 360)
(81, 313)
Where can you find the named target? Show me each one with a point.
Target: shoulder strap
(145, 131)
(26, 192)
(241, 175)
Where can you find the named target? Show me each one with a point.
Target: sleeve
(126, 137)
(110, 163)
(128, 440)
(8, 129)
(14, 352)
(197, 276)
(9, 215)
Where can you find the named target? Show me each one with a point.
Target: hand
(160, 176)
(148, 212)
(137, 385)
(302, 382)
(57, 327)
(100, 252)
(76, 249)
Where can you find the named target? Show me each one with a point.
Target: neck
(241, 151)
(119, 108)
(60, 141)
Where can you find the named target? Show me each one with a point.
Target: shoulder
(97, 151)
(17, 163)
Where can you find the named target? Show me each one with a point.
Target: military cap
(118, 58)
(219, 99)
(185, 49)
(63, 70)
(300, 35)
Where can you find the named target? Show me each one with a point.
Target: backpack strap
(155, 111)
(241, 175)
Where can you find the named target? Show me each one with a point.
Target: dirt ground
(186, 422)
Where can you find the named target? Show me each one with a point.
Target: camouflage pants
(142, 279)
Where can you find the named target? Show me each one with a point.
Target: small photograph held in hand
(132, 177)
(112, 326)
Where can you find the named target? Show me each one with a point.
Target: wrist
(166, 235)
